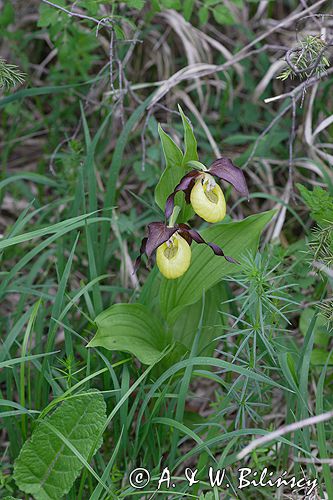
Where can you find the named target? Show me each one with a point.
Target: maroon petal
(188, 191)
(216, 249)
(185, 184)
(184, 232)
(169, 205)
(184, 226)
(223, 168)
(142, 251)
(158, 233)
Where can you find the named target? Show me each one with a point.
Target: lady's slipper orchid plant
(202, 191)
(172, 245)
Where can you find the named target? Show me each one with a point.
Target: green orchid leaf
(320, 202)
(187, 324)
(191, 148)
(321, 333)
(174, 171)
(319, 357)
(207, 269)
(130, 328)
(51, 460)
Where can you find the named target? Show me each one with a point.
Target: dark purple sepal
(188, 192)
(169, 205)
(142, 251)
(231, 260)
(224, 169)
(216, 249)
(158, 233)
(184, 232)
(196, 236)
(186, 184)
(184, 226)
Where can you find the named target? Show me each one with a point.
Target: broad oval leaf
(131, 328)
(235, 238)
(46, 467)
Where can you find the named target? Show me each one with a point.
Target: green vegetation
(107, 366)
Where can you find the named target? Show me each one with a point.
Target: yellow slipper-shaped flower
(207, 199)
(201, 190)
(172, 246)
(173, 257)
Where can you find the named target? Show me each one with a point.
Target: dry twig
(271, 436)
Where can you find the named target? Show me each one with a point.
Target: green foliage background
(182, 373)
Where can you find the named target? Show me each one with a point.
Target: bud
(207, 199)
(173, 257)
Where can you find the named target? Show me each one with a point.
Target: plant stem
(174, 215)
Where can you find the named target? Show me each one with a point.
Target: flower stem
(174, 215)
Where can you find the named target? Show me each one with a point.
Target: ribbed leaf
(175, 170)
(131, 328)
(206, 269)
(190, 141)
(187, 324)
(46, 467)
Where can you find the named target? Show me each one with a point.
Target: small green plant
(69, 370)
(219, 352)
(10, 75)
(137, 328)
(320, 243)
(42, 457)
(172, 241)
(306, 60)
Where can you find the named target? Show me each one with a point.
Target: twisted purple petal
(216, 249)
(224, 169)
(184, 232)
(186, 184)
(158, 233)
(142, 251)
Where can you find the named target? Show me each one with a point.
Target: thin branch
(315, 460)
(199, 70)
(77, 14)
(299, 88)
(111, 51)
(312, 68)
(291, 140)
(267, 129)
(284, 430)
(193, 71)
(283, 23)
(313, 16)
